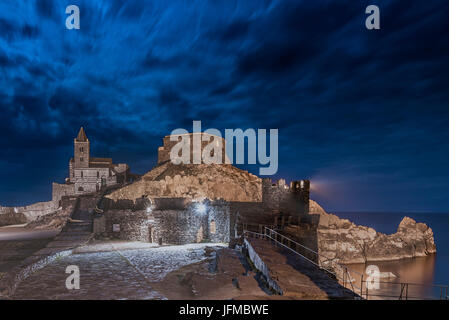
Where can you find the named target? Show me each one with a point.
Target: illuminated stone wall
(167, 221)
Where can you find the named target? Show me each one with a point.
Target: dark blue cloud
(364, 114)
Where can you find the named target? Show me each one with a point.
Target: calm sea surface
(429, 270)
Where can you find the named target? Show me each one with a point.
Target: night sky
(362, 113)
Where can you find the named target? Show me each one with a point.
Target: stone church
(89, 174)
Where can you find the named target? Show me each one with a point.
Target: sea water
(430, 270)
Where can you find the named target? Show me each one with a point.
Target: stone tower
(292, 199)
(82, 150)
(301, 191)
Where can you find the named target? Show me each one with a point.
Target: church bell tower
(82, 150)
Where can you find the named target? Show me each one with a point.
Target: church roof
(100, 163)
(108, 160)
(81, 136)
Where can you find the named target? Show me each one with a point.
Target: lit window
(212, 227)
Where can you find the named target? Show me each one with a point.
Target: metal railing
(346, 276)
(340, 273)
(406, 291)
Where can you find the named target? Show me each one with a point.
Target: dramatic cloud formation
(364, 114)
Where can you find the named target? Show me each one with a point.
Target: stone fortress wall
(167, 220)
(61, 190)
(283, 198)
(252, 203)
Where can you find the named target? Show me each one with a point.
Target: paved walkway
(19, 233)
(120, 274)
(27, 250)
(18, 243)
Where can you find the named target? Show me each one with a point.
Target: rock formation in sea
(343, 241)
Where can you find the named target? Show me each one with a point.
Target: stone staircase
(79, 228)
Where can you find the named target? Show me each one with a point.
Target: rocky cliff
(194, 181)
(346, 242)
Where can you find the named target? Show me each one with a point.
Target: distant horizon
(393, 212)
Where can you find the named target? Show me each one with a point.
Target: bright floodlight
(201, 208)
(148, 209)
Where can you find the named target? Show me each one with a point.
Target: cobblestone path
(125, 274)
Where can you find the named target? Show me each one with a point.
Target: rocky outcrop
(9, 216)
(54, 220)
(20, 215)
(194, 181)
(343, 241)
